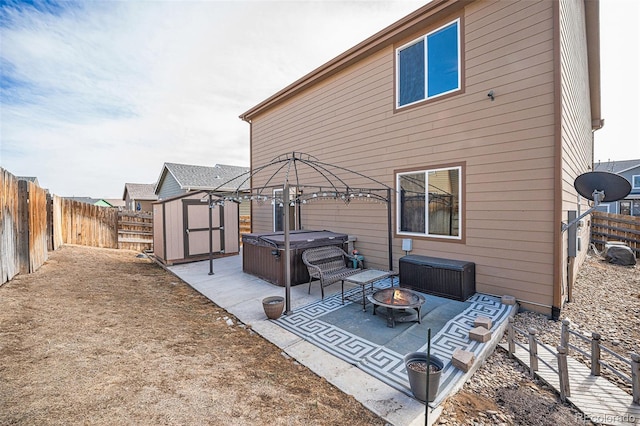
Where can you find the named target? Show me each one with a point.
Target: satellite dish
(613, 187)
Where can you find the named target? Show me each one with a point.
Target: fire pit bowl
(397, 300)
(397, 297)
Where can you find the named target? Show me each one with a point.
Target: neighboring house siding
(170, 188)
(627, 169)
(633, 199)
(145, 205)
(576, 132)
(128, 202)
(506, 147)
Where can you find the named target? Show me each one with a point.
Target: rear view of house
(479, 114)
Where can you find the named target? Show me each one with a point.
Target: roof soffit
(592, 26)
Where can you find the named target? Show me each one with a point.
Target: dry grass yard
(102, 337)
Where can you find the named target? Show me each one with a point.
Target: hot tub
(263, 253)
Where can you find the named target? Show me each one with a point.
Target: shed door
(197, 217)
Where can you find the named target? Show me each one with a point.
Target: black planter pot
(418, 379)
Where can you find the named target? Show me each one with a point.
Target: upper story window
(635, 181)
(429, 66)
(429, 202)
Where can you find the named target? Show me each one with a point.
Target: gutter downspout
(558, 236)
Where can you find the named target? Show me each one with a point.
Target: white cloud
(106, 92)
(112, 90)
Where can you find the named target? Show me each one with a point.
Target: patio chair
(328, 265)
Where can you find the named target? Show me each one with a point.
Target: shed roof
(140, 191)
(191, 177)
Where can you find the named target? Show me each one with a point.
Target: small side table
(367, 278)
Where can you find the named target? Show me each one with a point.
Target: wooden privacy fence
(33, 237)
(84, 224)
(607, 227)
(615, 364)
(245, 225)
(9, 264)
(23, 226)
(135, 230)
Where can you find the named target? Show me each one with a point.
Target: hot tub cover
(297, 239)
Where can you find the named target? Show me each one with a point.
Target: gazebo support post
(287, 249)
(210, 234)
(389, 232)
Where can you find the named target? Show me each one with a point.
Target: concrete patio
(241, 294)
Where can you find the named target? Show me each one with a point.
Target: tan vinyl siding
(506, 146)
(576, 130)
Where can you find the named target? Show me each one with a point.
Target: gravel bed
(606, 300)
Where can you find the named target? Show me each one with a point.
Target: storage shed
(182, 226)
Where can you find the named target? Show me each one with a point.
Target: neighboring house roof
(115, 202)
(103, 203)
(140, 191)
(32, 179)
(431, 12)
(616, 166)
(191, 177)
(87, 200)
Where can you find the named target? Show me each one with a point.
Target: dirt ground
(101, 337)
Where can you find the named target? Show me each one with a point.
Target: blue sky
(96, 94)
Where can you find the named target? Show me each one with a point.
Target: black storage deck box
(454, 279)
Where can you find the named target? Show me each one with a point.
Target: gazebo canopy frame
(333, 184)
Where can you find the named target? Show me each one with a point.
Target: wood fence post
(563, 373)
(564, 333)
(595, 354)
(635, 377)
(511, 337)
(23, 227)
(533, 351)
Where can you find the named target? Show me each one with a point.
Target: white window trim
(426, 234)
(426, 85)
(633, 181)
(292, 194)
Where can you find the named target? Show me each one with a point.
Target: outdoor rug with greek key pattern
(364, 340)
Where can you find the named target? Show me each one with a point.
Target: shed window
(429, 66)
(429, 203)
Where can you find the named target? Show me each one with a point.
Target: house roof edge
(592, 20)
(399, 29)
